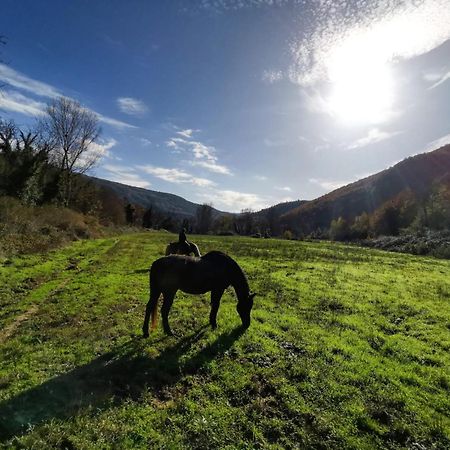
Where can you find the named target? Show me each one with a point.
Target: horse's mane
(236, 267)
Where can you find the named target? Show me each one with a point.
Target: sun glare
(361, 86)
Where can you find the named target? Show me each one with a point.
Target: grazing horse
(213, 272)
(182, 248)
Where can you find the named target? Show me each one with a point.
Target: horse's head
(244, 308)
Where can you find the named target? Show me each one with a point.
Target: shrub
(287, 234)
(29, 229)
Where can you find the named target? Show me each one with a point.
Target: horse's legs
(151, 307)
(216, 295)
(167, 304)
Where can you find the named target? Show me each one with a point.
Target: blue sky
(243, 104)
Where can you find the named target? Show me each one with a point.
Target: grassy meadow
(348, 348)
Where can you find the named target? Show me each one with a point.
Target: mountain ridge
(416, 173)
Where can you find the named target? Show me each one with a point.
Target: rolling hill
(163, 201)
(417, 174)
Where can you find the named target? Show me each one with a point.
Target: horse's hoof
(145, 335)
(214, 326)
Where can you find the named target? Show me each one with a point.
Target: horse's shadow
(145, 270)
(124, 373)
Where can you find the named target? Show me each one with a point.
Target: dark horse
(213, 272)
(183, 246)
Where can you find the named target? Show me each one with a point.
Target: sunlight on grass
(348, 348)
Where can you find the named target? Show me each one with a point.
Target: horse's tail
(154, 313)
(155, 293)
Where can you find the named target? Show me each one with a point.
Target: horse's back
(188, 273)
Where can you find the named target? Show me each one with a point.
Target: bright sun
(362, 85)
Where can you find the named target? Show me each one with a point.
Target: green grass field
(348, 348)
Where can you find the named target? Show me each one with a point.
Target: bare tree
(204, 216)
(72, 130)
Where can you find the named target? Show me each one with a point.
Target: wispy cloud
(272, 76)
(373, 136)
(176, 176)
(102, 148)
(212, 166)
(203, 155)
(145, 142)
(234, 201)
(96, 151)
(113, 122)
(20, 81)
(19, 103)
(15, 101)
(186, 133)
(437, 143)
(132, 106)
(368, 32)
(125, 175)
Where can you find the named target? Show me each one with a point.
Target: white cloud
(125, 175)
(172, 144)
(373, 136)
(437, 143)
(95, 152)
(176, 176)
(113, 122)
(368, 32)
(234, 201)
(204, 155)
(132, 106)
(25, 83)
(212, 166)
(348, 52)
(146, 142)
(103, 147)
(272, 76)
(186, 133)
(16, 102)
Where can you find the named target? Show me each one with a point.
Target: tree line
(407, 212)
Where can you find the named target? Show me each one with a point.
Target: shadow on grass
(146, 270)
(124, 373)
